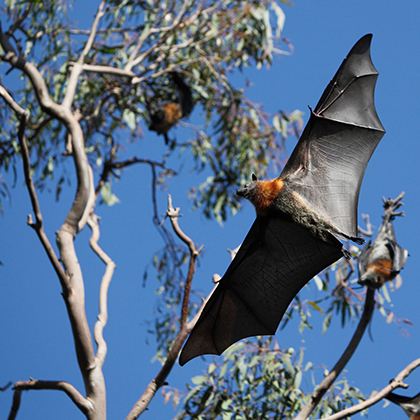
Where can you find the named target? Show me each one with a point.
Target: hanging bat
(384, 259)
(164, 116)
(411, 406)
(301, 215)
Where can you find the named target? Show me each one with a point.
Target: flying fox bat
(384, 259)
(301, 215)
(165, 116)
(411, 406)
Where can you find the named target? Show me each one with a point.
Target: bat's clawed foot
(347, 254)
(357, 240)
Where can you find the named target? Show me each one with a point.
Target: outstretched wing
(328, 164)
(276, 259)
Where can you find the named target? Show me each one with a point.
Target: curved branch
(173, 214)
(85, 197)
(103, 292)
(38, 225)
(110, 165)
(344, 359)
(395, 383)
(84, 405)
(75, 220)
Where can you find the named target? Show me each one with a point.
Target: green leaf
(319, 283)
(316, 307)
(108, 197)
(130, 118)
(326, 323)
(198, 380)
(281, 18)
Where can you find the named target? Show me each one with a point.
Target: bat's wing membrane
(185, 96)
(278, 258)
(363, 259)
(400, 258)
(275, 261)
(329, 161)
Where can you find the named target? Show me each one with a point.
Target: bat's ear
(254, 177)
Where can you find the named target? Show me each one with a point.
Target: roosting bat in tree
(301, 215)
(411, 406)
(165, 116)
(384, 259)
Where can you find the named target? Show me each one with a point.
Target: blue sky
(35, 333)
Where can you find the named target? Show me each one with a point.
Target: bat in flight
(301, 215)
(164, 116)
(384, 259)
(411, 406)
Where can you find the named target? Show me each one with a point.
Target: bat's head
(261, 193)
(371, 279)
(251, 190)
(377, 273)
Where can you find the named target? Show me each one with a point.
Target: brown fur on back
(266, 193)
(172, 115)
(382, 268)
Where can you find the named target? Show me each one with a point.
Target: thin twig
(3, 388)
(344, 359)
(395, 383)
(368, 231)
(173, 214)
(38, 225)
(185, 328)
(110, 165)
(134, 62)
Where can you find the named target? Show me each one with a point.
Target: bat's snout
(241, 192)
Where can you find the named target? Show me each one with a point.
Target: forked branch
(82, 403)
(395, 383)
(323, 387)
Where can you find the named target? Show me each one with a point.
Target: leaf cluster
(135, 47)
(256, 379)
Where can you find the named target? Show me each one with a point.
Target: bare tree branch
(173, 214)
(82, 403)
(77, 67)
(38, 225)
(103, 69)
(103, 293)
(72, 281)
(395, 383)
(323, 387)
(3, 388)
(110, 165)
(10, 101)
(15, 405)
(391, 205)
(185, 328)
